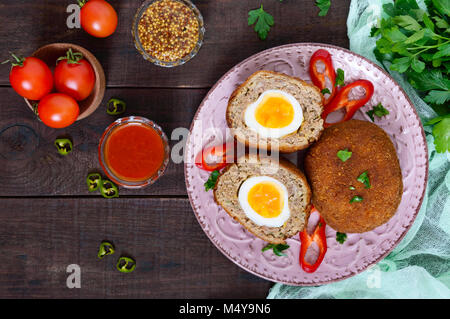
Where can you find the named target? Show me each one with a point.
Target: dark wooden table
(48, 218)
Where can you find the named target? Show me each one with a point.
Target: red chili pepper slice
(319, 237)
(342, 100)
(214, 157)
(318, 78)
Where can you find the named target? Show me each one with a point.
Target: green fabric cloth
(419, 267)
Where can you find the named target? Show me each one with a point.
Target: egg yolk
(274, 111)
(266, 199)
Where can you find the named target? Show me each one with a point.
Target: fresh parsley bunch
(417, 44)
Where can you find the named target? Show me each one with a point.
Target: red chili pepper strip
(351, 106)
(318, 78)
(214, 157)
(319, 237)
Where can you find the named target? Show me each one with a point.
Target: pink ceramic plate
(360, 250)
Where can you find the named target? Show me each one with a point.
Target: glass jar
(106, 164)
(156, 56)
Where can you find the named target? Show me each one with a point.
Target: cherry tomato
(30, 77)
(58, 110)
(74, 76)
(98, 18)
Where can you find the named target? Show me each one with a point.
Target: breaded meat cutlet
(334, 183)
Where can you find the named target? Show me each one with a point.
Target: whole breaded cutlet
(334, 182)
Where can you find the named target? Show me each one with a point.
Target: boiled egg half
(265, 201)
(275, 114)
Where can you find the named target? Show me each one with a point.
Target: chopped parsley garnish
(264, 21)
(356, 199)
(364, 178)
(324, 6)
(339, 77)
(344, 154)
(212, 180)
(325, 91)
(277, 249)
(352, 188)
(378, 111)
(341, 237)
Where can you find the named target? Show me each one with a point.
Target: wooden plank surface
(228, 38)
(31, 166)
(50, 220)
(175, 259)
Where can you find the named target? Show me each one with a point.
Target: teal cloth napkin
(419, 267)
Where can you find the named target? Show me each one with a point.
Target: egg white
(259, 220)
(252, 123)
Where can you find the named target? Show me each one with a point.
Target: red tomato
(76, 79)
(98, 18)
(58, 110)
(31, 78)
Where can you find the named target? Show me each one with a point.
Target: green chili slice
(126, 264)
(64, 146)
(106, 248)
(94, 181)
(116, 107)
(108, 189)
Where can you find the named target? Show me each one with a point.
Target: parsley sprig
(341, 237)
(378, 111)
(324, 6)
(264, 21)
(212, 180)
(277, 249)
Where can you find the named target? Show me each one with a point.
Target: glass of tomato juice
(134, 152)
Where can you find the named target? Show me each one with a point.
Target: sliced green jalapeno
(106, 248)
(108, 189)
(116, 107)
(64, 146)
(126, 264)
(94, 181)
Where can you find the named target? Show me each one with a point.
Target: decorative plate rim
(406, 229)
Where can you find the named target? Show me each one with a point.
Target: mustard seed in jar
(168, 30)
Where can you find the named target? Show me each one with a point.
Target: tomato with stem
(98, 18)
(74, 76)
(30, 77)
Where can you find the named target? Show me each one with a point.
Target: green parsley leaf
(324, 6)
(344, 155)
(277, 249)
(364, 178)
(407, 22)
(339, 77)
(212, 180)
(352, 188)
(325, 91)
(441, 133)
(443, 6)
(264, 21)
(341, 237)
(356, 199)
(378, 110)
(437, 97)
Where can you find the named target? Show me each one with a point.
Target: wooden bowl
(51, 52)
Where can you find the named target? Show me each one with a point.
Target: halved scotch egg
(275, 111)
